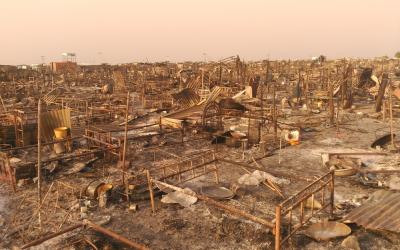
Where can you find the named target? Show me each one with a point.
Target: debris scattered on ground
(237, 144)
(182, 198)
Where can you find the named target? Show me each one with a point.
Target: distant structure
(318, 59)
(69, 57)
(68, 65)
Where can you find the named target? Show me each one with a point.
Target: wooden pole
(332, 196)
(149, 183)
(39, 158)
(220, 73)
(277, 228)
(381, 92)
(14, 86)
(50, 236)
(274, 111)
(331, 105)
(248, 127)
(2, 103)
(391, 114)
(124, 168)
(202, 84)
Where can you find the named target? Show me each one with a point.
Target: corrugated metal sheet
(195, 112)
(194, 83)
(186, 98)
(216, 91)
(51, 96)
(119, 80)
(54, 119)
(381, 213)
(48, 99)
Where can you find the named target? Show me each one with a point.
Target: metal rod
(115, 236)
(50, 236)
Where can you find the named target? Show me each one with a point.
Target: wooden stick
(50, 236)
(115, 236)
(86, 239)
(2, 103)
(149, 182)
(271, 185)
(39, 158)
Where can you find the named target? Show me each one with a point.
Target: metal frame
(190, 166)
(103, 139)
(322, 189)
(297, 201)
(22, 118)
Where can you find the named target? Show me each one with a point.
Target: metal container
(61, 132)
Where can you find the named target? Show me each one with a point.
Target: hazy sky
(117, 31)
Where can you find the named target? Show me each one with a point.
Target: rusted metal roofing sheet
(194, 112)
(51, 96)
(186, 98)
(195, 83)
(54, 119)
(216, 91)
(381, 213)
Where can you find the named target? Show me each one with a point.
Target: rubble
(111, 148)
(351, 242)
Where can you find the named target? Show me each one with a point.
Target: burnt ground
(203, 226)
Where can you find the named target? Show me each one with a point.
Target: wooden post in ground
(391, 114)
(274, 111)
(332, 195)
(381, 92)
(39, 159)
(150, 185)
(331, 105)
(124, 168)
(306, 90)
(2, 104)
(277, 227)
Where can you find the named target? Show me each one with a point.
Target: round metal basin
(327, 230)
(217, 192)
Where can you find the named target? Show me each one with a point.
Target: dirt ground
(202, 226)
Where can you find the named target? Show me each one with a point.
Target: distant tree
(397, 55)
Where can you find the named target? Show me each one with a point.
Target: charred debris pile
(227, 154)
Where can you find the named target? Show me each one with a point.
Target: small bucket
(61, 132)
